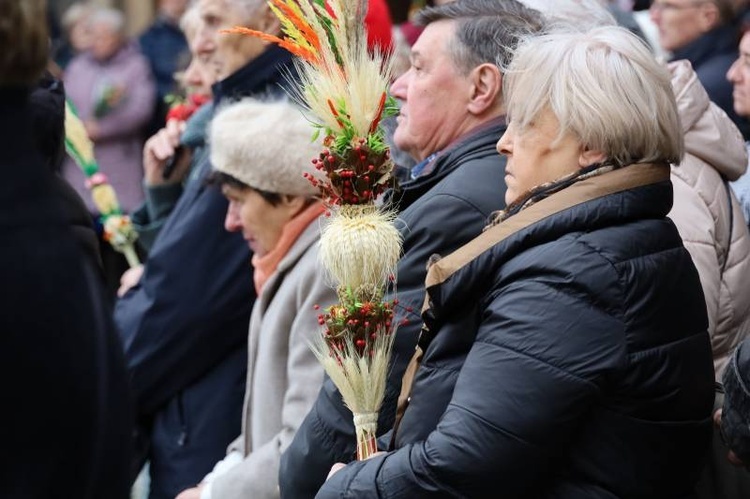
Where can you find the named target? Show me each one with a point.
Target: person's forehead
(214, 6)
(224, 9)
(103, 28)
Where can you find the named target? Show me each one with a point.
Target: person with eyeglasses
(704, 32)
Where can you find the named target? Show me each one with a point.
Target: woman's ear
(589, 157)
(487, 84)
(293, 204)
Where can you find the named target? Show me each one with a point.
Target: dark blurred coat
(165, 47)
(66, 423)
(47, 113)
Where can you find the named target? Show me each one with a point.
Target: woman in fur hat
(260, 152)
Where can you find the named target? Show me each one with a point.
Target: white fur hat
(266, 145)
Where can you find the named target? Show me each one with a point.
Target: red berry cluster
(362, 322)
(358, 176)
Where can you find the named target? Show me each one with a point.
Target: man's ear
(590, 156)
(267, 20)
(487, 84)
(708, 16)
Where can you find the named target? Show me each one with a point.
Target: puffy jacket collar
(629, 193)
(264, 73)
(709, 133)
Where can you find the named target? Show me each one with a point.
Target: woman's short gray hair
(74, 14)
(109, 17)
(604, 86)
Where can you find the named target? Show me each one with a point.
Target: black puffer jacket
(438, 213)
(569, 358)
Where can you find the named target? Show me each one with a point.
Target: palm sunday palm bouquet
(343, 90)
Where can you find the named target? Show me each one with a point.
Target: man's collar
(720, 40)
(427, 165)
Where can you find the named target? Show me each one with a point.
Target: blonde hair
(604, 86)
(24, 41)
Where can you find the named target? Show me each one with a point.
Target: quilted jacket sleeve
(701, 217)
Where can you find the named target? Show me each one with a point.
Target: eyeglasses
(662, 6)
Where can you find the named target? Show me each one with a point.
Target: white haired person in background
(113, 90)
(564, 351)
(260, 152)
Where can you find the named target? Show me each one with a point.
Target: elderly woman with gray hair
(260, 152)
(564, 351)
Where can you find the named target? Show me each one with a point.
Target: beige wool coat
(708, 215)
(283, 375)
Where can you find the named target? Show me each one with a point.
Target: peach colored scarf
(266, 265)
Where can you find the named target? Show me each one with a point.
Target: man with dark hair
(450, 121)
(185, 324)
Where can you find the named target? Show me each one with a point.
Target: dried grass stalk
(360, 374)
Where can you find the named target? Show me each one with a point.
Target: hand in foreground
(157, 151)
(194, 493)
(130, 278)
(336, 467)
(92, 129)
